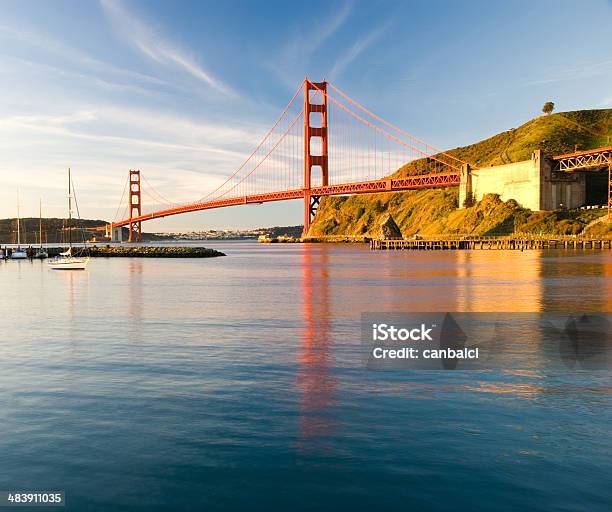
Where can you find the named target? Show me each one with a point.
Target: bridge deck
(365, 187)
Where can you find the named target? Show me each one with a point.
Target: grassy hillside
(434, 211)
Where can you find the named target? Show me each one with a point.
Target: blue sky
(184, 90)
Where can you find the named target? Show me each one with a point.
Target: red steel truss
(590, 159)
(582, 160)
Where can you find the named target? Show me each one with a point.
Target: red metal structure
(325, 145)
(135, 206)
(591, 159)
(598, 158)
(311, 201)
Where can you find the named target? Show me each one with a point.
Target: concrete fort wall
(531, 183)
(117, 235)
(519, 181)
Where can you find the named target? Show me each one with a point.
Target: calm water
(237, 382)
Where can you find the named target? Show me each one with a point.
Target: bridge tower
(314, 130)
(135, 205)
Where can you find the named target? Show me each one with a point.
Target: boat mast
(69, 213)
(40, 222)
(18, 229)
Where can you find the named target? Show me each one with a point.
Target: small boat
(18, 253)
(41, 254)
(65, 260)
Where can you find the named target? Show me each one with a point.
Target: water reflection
(314, 379)
(499, 281)
(591, 271)
(135, 296)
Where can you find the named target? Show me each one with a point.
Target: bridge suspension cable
(256, 150)
(430, 149)
(159, 197)
(121, 200)
(266, 156)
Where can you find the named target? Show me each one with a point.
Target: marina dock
(490, 243)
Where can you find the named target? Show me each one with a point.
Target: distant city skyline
(184, 90)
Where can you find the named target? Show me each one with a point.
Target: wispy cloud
(178, 154)
(335, 21)
(83, 62)
(559, 74)
(303, 43)
(357, 49)
(114, 125)
(575, 72)
(11, 64)
(156, 47)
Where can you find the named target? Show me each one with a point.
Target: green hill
(435, 211)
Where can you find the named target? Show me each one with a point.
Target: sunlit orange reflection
(314, 381)
(493, 280)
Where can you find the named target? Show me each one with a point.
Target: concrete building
(117, 234)
(531, 183)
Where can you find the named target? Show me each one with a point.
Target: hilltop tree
(548, 107)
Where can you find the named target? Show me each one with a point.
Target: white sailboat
(19, 253)
(66, 261)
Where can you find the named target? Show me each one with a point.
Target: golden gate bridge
(323, 143)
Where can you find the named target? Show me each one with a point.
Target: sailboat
(66, 261)
(41, 254)
(19, 253)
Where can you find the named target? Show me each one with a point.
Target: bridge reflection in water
(315, 381)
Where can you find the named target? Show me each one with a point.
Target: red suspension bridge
(323, 143)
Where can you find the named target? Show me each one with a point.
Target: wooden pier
(490, 243)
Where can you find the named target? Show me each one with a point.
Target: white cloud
(152, 44)
(302, 44)
(184, 157)
(355, 50)
(50, 45)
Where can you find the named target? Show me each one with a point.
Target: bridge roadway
(433, 180)
(570, 162)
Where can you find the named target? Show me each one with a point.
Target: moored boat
(66, 260)
(18, 253)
